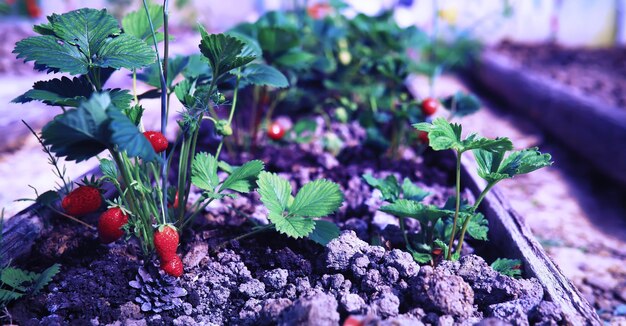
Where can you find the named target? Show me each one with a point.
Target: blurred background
(577, 209)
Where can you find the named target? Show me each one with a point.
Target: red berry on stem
(276, 131)
(82, 200)
(423, 137)
(429, 106)
(173, 267)
(166, 242)
(110, 224)
(157, 140)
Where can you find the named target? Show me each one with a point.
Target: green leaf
(44, 278)
(108, 169)
(525, 161)
(412, 191)
(204, 172)
(508, 267)
(389, 187)
(86, 28)
(136, 23)
(18, 279)
(295, 227)
(324, 232)
(70, 92)
(296, 60)
(52, 55)
(317, 199)
(277, 40)
(478, 227)
(125, 136)
(413, 209)
(443, 135)
(7, 296)
(79, 134)
(462, 104)
(263, 75)
(62, 92)
(494, 167)
(420, 257)
(81, 40)
(275, 192)
(133, 113)
(243, 178)
(47, 198)
(124, 51)
(223, 52)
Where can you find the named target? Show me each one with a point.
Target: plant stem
(458, 203)
(403, 230)
(247, 235)
(466, 222)
(71, 217)
(163, 87)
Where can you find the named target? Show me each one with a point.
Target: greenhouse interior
(313, 162)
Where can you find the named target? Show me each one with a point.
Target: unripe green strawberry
(110, 224)
(157, 140)
(82, 200)
(166, 242)
(173, 267)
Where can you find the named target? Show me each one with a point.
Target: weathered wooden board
(591, 128)
(509, 232)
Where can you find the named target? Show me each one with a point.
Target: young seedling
(492, 165)
(299, 216)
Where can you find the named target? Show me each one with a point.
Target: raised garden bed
(258, 279)
(372, 199)
(585, 111)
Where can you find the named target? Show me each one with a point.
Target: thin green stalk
(163, 85)
(458, 203)
(230, 116)
(247, 235)
(403, 230)
(135, 86)
(466, 222)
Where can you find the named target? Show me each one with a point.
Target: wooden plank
(22, 230)
(509, 232)
(589, 127)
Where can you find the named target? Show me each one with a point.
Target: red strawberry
(173, 267)
(175, 205)
(353, 321)
(423, 137)
(110, 224)
(158, 141)
(276, 131)
(429, 106)
(82, 200)
(166, 242)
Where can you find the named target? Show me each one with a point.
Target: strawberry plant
(443, 227)
(89, 45)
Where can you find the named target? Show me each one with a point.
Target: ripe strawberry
(429, 106)
(173, 267)
(437, 251)
(166, 242)
(423, 137)
(276, 131)
(353, 321)
(82, 200)
(110, 224)
(158, 141)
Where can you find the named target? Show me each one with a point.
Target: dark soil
(594, 72)
(270, 279)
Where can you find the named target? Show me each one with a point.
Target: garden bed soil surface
(271, 279)
(597, 73)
